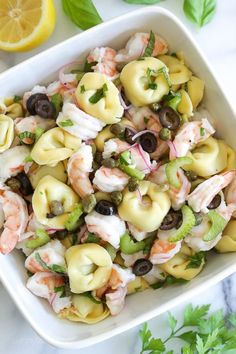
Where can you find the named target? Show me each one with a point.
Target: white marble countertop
(218, 41)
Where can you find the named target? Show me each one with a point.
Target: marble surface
(218, 41)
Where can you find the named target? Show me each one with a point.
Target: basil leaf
(60, 289)
(66, 123)
(82, 12)
(150, 46)
(99, 94)
(199, 12)
(143, 2)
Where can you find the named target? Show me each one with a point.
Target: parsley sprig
(203, 333)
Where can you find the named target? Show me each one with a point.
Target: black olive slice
(106, 207)
(148, 142)
(215, 202)
(142, 266)
(30, 104)
(171, 220)
(45, 109)
(169, 118)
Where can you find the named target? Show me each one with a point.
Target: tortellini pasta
(53, 146)
(98, 96)
(15, 110)
(138, 284)
(48, 190)
(176, 266)
(58, 171)
(209, 158)
(85, 310)
(6, 132)
(145, 81)
(228, 241)
(231, 156)
(102, 137)
(179, 73)
(185, 106)
(195, 88)
(89, 267)
(146, 214)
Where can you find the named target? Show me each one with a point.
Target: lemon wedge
(25, 24)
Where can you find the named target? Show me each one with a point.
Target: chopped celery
(133, 172)
(187, 224)
(125, 158)
(172, 169)
(73, 221)
(128, 246)
(111, 250)
(218, 224)
(41, 239)
(174, 102)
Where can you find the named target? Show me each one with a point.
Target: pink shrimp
(78, 169)
(230, 194)
(200, 198)
(29, 124)
(16, 219)
(114, 147)
(139, 235)
(115, 300)
(162, 250)
(105, 61)
(136, 46)
(110, 179)
(189, 135)
(51, 253)
(44, 284)
(12, 161)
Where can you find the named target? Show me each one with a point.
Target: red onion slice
(173, 151)
(143, 132)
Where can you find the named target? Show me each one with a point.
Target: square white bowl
(141, 306)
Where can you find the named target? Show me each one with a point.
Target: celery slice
(187, 224)
(172, 169)
(128, 246)
(132, 172)
(73, 220)
(218, 224)
(41, 239)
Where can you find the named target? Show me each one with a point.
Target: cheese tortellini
(89, 267)
(185, 106)
(6, 132)
(58, 171)
(228, 241)
(53, 146)
(231, 156)
(145, 81)
(85, 310)
(209, 158)
(99, 97)
(138, 284)
(48, 190)
(146, 214)
(195, 88)
(179, 73)
(102, 137)
(176, 266)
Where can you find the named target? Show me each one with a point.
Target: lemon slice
(25, 24)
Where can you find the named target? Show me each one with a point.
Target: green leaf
(90, 296)
(145, 335)
(172, 321)
(196, 260)
(169, 280)
(16, 99)
(188, 337)
(66, 123)
(60, 289)
(150, 46)
(232, 319)
(216, 320)
(57, 101)
(199, 12)
(143, 2)
(54, 267)
(187, 350)
(192, 316)
(200, 345)
(99, 94)
(155, 344)
(83, 13)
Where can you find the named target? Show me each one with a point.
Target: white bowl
(141, 306)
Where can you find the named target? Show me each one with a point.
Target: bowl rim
(76, 344)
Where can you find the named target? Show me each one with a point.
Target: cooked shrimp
(83, 125)
(29, 124)
(105, 61)
(78, 169)
(156, 274)
(16, 218)
(109, 228)
(190, 134)
(130, 259)
(12, 161)
(162, 250)
(230, 194)
(110, 179)
(51, 253)
(45, 284)
(139, 235)
(141, 159)
(115, 300)
(201, 197)
(114, 147)
(136, 46)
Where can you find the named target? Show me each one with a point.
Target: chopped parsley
(99, 94)
(66, 123)
(196, 260)
(90, 296)
(17, 99)
(150, 46)
(57, 101)
(82, 89)
(202, 131)
(28, 159)
(169, 280)
(60, 289)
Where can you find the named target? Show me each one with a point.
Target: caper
(89, 202)
(155, 106)
(13, 183)
(165, 134)
(198, 218)
(56, 208)
(98, 157)
(110, 163)
(116, 197)
(191, 175)
(61, 234)
(117, 129)
(133, 184)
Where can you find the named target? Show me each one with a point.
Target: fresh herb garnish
(83, 13)
(164, 71)
(66, 123)
(57, 101)
(196, 260)
(60, 289)
(38, 132)
(53, 268)
(88, 67)
(92, 238)
(169, 280)
(202, 131)
(82, 89)
(17, 99)
(199, 12)
(90, 296)
(99, 94)
(28, 159)
(152, 86)
(150, 46)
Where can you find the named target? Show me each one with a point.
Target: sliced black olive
(169, 118)
(105, 207)
(25, 184)
(142, 266)
(215, 202)
(45, 109)
(128, 135)
(148, 142)
(171, 220)
(30, 104)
